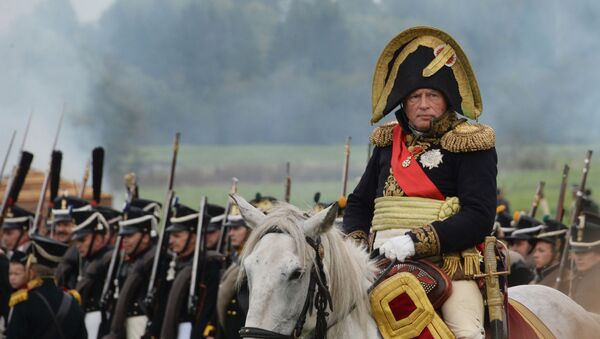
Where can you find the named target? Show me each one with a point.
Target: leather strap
(60, 314)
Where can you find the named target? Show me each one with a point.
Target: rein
(317, 286)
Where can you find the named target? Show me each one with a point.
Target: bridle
(317, 287)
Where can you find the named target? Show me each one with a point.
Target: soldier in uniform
(15, 230)
(548, 246)
(182, 232)
(43, 310)
(433, 157)
(61, 226)
(521, 238)
(138, 230)
(91, 237)
(585, 249)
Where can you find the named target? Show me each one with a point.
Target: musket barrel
(199, 249)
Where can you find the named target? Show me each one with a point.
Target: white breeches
(92, 323)
(136, 326)
(463, 311)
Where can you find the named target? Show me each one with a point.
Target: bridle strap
(322, 299)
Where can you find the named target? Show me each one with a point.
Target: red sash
(411, 179)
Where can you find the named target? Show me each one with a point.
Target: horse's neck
(354, 326)
(355, 320)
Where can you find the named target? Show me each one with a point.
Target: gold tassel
(451, 264)
(472, 260)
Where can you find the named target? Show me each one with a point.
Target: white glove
(398, 248)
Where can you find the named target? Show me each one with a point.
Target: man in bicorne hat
(547, 249)
(584, 244)
(91, 238)
(429, 189)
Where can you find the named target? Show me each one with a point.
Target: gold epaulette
(18, 297)
(466, 137)
(37, 282)
(75, 295)
(383, 135)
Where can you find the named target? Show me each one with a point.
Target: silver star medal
(431, 159)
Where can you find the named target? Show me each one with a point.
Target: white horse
(278, 262)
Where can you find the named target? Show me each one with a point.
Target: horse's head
(277, 262)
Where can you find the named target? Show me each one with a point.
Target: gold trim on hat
(430, 37)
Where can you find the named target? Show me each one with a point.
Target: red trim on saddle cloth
(518, 327)
(402, 307)
(411, 179)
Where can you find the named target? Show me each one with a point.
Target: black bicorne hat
(424, 57)
(18, 218)
(186, 219)
(526, 228)
(111, 215)
(88, 222)
(19, 257)
(64, 205)
(138, 220)
(553, 231)
(46, 251)
(585, 236)
(147, 205)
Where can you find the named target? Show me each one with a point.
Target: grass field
(207, 170)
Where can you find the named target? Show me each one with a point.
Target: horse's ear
(320, 222)
(252, 215)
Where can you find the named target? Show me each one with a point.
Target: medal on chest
(431, 159)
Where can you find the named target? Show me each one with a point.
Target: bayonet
(560, 208)
(288, 182)
(345, 168)
(10, 144)
(54, 157)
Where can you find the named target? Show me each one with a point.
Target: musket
(574, 218)
(539, 195)
(223, 234)
(288, 182)
(560, 208)
(199, 259)
(345, 168)
(112, 278)
(10, 144)
(54, 158)
(165, 214)
(86, 175)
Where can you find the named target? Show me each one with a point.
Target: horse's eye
(296, 274)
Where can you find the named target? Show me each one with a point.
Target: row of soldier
(149, 270)
(536, 247)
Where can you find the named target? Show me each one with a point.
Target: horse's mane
(348, 269)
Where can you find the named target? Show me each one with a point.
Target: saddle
(406, 297)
